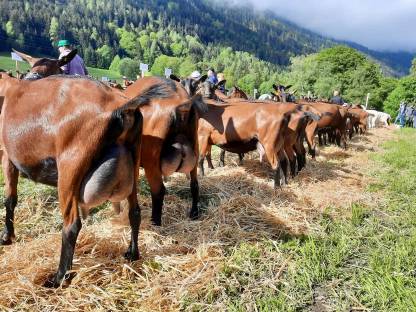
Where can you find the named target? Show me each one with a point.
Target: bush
(129, 68)
(405, 91)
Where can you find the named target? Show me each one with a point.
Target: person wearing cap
(76, 66)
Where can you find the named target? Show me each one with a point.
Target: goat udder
(178, 157)
(111, 179)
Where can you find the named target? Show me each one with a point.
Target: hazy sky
(377, 24)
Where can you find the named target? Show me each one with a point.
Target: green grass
(6, 63)
(365, 261)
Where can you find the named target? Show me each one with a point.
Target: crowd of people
(406, 116)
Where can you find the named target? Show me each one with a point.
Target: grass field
(6, 63)
(340, 237)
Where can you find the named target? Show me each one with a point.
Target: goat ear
(67, 58)
(221, 83)
(197, 82)
(287, 87)
(275, 87)
(31, 60)
(202, 78)
(173, 77)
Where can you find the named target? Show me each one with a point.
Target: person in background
(409, 116)
(401, 117)
(220, 78)
(337, 99)
(195, 75)
(414, 116)
(212, 76)
(76, 66)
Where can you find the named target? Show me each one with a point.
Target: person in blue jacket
(212, 76)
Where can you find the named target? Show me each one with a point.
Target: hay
(183, 259)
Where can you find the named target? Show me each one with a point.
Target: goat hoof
(5, 242)
(6, 239)
(52, 282)
(156, 221)
(194, 215)
(131, 256)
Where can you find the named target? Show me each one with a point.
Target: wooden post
(366, 101)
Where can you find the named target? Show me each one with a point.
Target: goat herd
(90, 139)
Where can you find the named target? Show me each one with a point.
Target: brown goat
(334, 119)
(170, 139)
(244, 127)
(44, 67)
(80, 136)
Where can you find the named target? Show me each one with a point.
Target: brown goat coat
(238, 127)
(359, 119)
(334, 117)
(299, 127)
(58, 137)
(168, 124)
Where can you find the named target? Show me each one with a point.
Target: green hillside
(146, 29)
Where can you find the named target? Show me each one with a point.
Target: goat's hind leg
(11, 176)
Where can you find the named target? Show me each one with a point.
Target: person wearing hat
(195, 75)
(76, 66)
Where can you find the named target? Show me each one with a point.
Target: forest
(253, 49)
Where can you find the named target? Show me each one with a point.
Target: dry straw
(183, 261)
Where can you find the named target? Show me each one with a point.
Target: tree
(10, 29)
(177, 48)
(127, 41)
(405, 91)
(187, 67)
(164, 61)
(364, 79)
(104, 56)
(53, 30)
(115, 64)
(379, 96)
(247, 83)
(413, 68)
(129, 68)
(303, 73)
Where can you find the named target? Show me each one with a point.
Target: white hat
(195, 75)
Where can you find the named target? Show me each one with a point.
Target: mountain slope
(94, 23)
